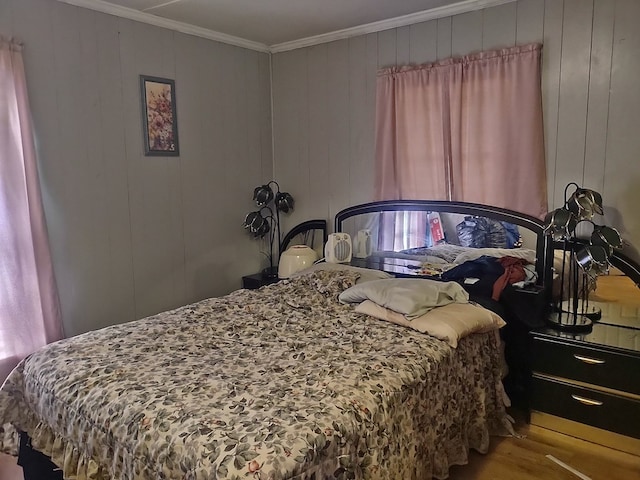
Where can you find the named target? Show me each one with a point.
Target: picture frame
(159, 117)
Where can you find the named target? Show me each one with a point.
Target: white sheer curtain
(29, 306)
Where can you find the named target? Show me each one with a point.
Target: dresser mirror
(617, 294)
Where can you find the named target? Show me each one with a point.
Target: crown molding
(418, 17)
(131, 14)
(144, 17)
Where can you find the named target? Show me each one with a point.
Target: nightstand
(588, 385)
(257, 280)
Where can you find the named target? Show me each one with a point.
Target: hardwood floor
(525, 458)
(512, 458)
(9, 470)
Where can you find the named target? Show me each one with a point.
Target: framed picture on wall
(159, 117)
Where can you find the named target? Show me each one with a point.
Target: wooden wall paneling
(297, 187)
(227, 113)
(445, 33)
(214, 167)
(228, 215)
(466, 33)
(6, 18)
(403, 45)
(339, 131)
(75, 198)
(249, 137)
(197, 180)
(364, 183)
(232, 247)
(264, 120)
(293, 173)
(117, 256)
(154, 182)
(424, 42)
(284, 124)
(529, 21)
(360, 128)
(254, 116)
(551, 58)
(387, 49)
(598, 101)
(262, 166)
(289, 74)
(95, 259)
(132, 127)
(622, 168)
(318, 91)
(236, 111)
(574, 90)
(224, 219)
(170, 191)
(499, 26)
(223, 206)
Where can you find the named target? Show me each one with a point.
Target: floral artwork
(159, 116)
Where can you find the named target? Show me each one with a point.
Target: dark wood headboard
(543, 246)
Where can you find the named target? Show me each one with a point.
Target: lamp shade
(584, 203)
(607, 237)
(262, 195)
(560, 224)
(294, 259)
(256, 224)
(593, 259)
(284, 202)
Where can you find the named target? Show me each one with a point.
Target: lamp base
(568, 322)
(585, 308)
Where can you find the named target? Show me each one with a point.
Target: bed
(286, 382)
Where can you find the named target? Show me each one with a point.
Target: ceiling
(265, 24)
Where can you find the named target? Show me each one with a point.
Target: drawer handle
(589, 360)
(586, 401)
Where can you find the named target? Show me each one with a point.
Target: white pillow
(473, 253)
(449, 323)
(409, 296)
(366, 274)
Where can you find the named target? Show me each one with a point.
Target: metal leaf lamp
(266, 220)
(583, 259)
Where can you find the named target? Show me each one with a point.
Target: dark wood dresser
(257, 280)
(588, 385)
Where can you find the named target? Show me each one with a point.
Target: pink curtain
(29, 306)
(467, 129)
(412, 144)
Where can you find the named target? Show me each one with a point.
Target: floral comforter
(280, 383)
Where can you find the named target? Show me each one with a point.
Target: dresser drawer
(584, 405)
(589, 365)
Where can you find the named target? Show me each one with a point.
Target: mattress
(279, 383)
